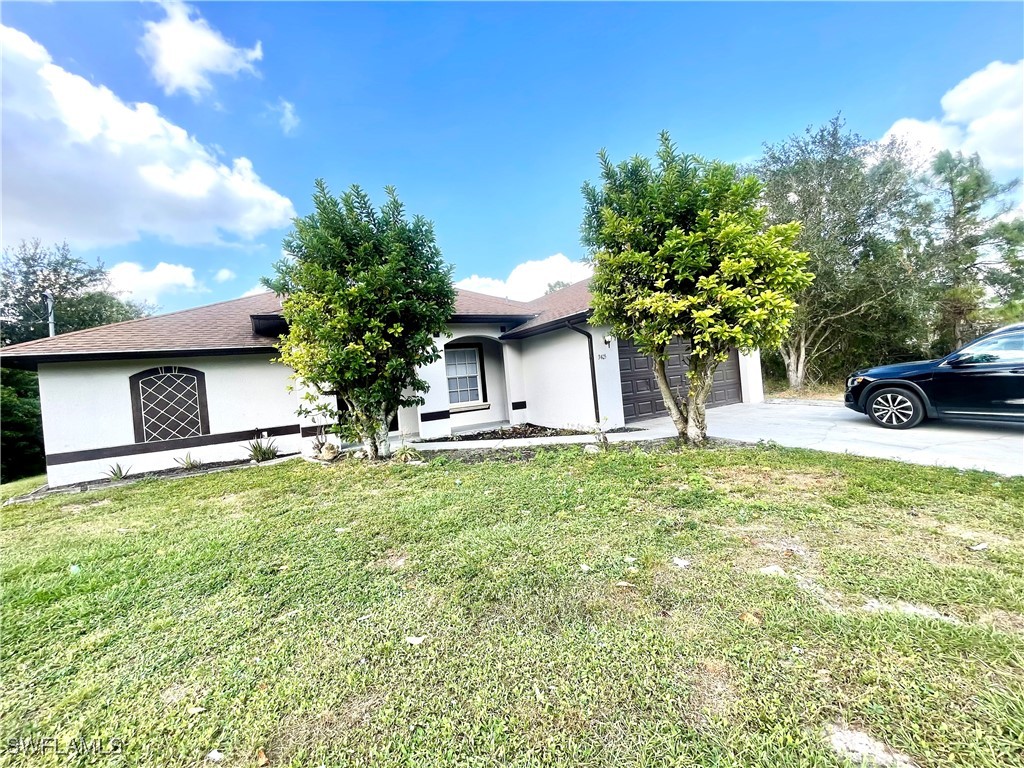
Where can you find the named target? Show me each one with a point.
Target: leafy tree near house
(976, 247)
(680, 248)
(82, 299)
(366, 294)
(862, 224)
(81, 293)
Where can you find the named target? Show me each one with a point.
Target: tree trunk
(370, 445)
(378, 444)
(675, 409)
(701, 376)
(794, 353)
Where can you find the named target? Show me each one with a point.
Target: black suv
(984, 380)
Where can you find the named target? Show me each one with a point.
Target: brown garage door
(640, 396)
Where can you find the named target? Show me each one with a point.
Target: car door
(983, 380)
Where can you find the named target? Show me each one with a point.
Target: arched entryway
(475, 376)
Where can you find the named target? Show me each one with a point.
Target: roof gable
(567, 303)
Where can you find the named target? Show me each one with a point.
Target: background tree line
(83, 299)
(910, 262)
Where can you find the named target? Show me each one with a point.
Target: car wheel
(895, 408)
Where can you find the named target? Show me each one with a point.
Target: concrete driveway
(826, 426)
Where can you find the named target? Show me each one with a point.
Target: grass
(269, 609)
(779, 388)
(21, 487)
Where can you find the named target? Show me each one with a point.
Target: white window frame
(481, 387)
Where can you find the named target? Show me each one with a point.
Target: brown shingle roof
(227, 326)
(473, 303)
(222, 326)
(571, 301)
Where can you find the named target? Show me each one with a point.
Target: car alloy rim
(891, 408)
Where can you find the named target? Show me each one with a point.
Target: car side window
(1008, 349)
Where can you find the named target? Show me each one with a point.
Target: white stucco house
(145, 392)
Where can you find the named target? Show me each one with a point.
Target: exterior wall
(87, 406)
(609, 383)
(751, 382)
(556, 370)
(515, 385)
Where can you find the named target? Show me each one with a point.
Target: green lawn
(269, 609)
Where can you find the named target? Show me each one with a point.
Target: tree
(680, 248)
(366, 293)
(81, 293)
(859, 208)
(557, 285)
(975, 245)
(82, 299)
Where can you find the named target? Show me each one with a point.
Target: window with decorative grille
(169, 403)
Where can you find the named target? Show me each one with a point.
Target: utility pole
(49, 312)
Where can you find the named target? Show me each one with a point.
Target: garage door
(640, 396)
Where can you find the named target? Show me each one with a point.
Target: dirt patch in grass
(177, 693)
(910, 609)
(759, 481)
(392, 560)
(76, 508)
(1004, 621)
(712, 691)
(862, 749)
(304, 731)
(972, 537)
(761, 546)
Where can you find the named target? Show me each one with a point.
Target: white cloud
(288, 119)
(143, 284)
(183, 49)
(82, 165)
(530, 279)
(256, 290)
(224, 275)
(984, 113)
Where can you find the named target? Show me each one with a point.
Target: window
(1008, 349)
(464, 367)
(169, 403)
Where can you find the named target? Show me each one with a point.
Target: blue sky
(171, 146)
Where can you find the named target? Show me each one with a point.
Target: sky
(175, 142)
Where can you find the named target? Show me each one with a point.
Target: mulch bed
(515, 432)
(509, 433)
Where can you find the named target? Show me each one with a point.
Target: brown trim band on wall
(435, 415)
(133, 449)
(518, 405)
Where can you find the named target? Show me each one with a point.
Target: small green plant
(406, 453)
(117, 472)
(598, 431)
(262, 450)
(187, 462)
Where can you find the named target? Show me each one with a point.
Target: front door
(983, 379)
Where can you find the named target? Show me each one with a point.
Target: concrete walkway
(823, 426)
